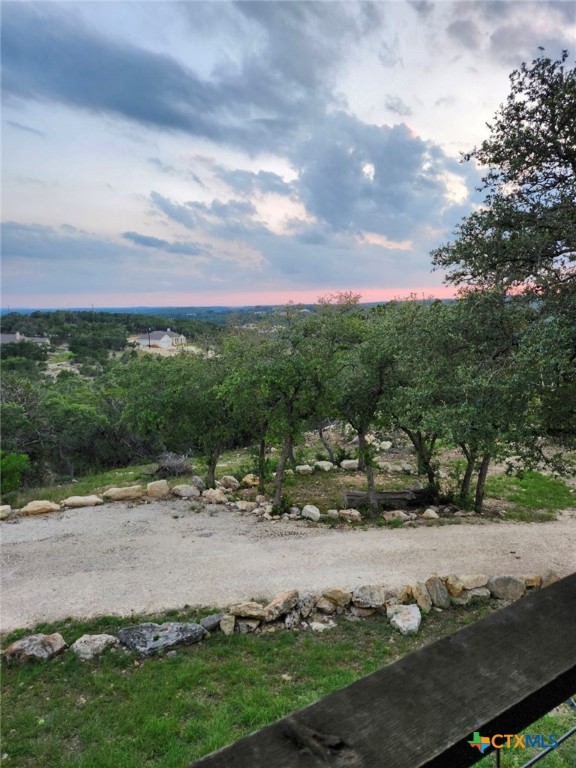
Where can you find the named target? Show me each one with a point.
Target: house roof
(10, 338)
(159, 335)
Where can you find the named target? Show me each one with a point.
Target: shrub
(12, 465)
(173, 465)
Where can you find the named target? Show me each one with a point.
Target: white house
(163, 339)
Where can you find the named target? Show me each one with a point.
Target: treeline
(85, 330)
(488, 374)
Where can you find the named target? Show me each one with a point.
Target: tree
(524, 238)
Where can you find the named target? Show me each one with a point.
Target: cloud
(186, 248)
(172, 170)
(224, 219)
(396, 105)
(257, 103)
(359, 177)
(26, 128)
(249, 183)
(466, 33)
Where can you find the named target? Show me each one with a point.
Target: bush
(173, 465)
(12, 465)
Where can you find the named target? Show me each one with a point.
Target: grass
(88, 484)
(167, 711)
(119, 711)
(534, 495)
(556, 722)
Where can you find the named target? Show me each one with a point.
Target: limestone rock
(230, 482)
(292, 619)
(325, 466)
(350, 515)
(89, 646)
(407, 468)
(406, 619)
(250, 481)
(430, 514)
(186, 491)
(148, 638)
(246, 626)
(82, 501)
(369, 596)
(249, 610)
(211, 623)
(534, 580)
(362, 613)
(34, 647)
(422, 596)
(473, 581)
(39, 508)
(227, 624)
(332, 514)
(281, 604)
(130, 493)
(479, 594)
(385, 445)
(340, 597)
(158, 489)
(306, 604)
(462, 599)
(311, 512)
(395, 514)
(199, 483)
(405, 595)
(350, 464)
(550, 577)
(321, 626)
(304, 469)
(246, 506)
(5, 511)
(454, 585)
(438, 592)
(506, 587)
(324, 605)
(215, 496)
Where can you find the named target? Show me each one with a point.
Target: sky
(236, 153)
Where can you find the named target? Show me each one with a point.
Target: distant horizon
(444, 292)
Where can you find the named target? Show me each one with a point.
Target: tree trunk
(464, 497)
(327, 447)
(286, 448)
(290, 455)
(262, 466)
(213, 457)
(424, 451)
(482, 474)
(364, 461)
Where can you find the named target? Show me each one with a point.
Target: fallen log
(389, 499)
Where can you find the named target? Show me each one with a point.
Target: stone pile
(294, 610)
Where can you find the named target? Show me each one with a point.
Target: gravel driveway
(119, 558)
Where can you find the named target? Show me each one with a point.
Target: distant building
(163, 339)
(15, 338)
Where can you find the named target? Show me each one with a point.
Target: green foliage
(12, 466)
(168, 711)
(532, 490)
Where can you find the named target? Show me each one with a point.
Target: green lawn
(533, 494)
(120, 712)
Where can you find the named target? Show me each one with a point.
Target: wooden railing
(496, 676)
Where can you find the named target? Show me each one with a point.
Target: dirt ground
(119, 559)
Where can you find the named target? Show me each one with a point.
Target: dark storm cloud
(360, 177)
(50, 54)
(185, 248)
